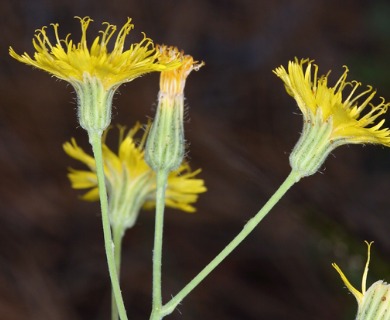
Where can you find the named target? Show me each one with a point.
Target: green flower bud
(165, 147)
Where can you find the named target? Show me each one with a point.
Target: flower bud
(165, 147)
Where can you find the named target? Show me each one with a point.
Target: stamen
(315, 83)
(340, 84)
(364, 279)
(120, 39)
(84, 22)
(44, 40)
(355, 84)
(107, 34)
(368, 99)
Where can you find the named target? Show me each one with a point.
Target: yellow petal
(74, 151)
(92, 195)
(82, 179)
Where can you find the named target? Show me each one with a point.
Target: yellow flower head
(332, 117)
(172, 82)
(350, 121)
(69, 60)
(130, 181)
(373, 303)
(94, 72)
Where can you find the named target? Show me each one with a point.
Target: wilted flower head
(94, 71)
(172, 82)
(374, 303)
(332, 116)
(165, 145)
(131, 184)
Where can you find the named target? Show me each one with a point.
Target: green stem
(162, 176)
(96, 142)
(247, 229)
(117, 237)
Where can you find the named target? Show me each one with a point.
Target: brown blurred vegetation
(241, 126)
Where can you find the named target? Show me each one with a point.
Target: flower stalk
(117, 241)
(158, 242)
(131, 185)
(165, 148)
(96, 143)
(169, 307)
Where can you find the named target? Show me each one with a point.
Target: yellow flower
(131, 184)
(69, 61)
(330, 120)
(165, 144)
(374, 303)
(93, 70)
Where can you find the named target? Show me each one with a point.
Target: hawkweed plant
(96, 73)
(151, 172)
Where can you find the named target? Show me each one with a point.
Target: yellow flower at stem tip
(131, 183)
(94, 71)
(69, 61)
(165, 146)
(374, 303)
(333, 116)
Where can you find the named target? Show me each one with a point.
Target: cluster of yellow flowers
(94, 71)
(126, 181)
(333, 116)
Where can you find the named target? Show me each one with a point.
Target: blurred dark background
(241, 126)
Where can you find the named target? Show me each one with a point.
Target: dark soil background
(241, 126)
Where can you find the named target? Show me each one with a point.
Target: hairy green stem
(162, 176)
(117, 238)
(96, 142)
(247, 229)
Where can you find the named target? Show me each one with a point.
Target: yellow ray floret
(374, 302)
(352, 113)
(69, 60)
(358, 294)
(130, 181)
